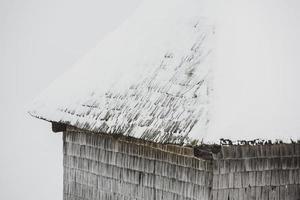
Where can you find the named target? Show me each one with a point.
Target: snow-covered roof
(148, 79)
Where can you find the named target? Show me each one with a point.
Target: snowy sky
(256, 83)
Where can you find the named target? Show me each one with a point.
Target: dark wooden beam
(58, 127)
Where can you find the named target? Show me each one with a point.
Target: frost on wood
(149, 79)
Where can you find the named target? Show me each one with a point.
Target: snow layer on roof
(148, 79)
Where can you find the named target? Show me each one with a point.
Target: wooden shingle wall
(108, 167)
(261, 172)
(99, 166)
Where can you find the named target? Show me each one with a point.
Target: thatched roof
(149, 79)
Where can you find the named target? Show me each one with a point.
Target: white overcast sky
(257, 72)
(256, 76)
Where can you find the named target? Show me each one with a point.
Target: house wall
(99, 166)
(107, 167)
(261, 172)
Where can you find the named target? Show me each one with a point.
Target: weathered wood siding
(261, 172)
(98, 166)
(106, 167)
